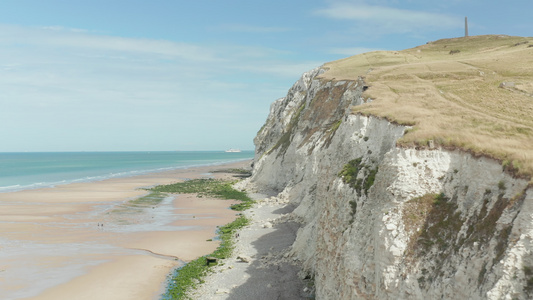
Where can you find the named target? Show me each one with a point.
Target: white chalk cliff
(401, 223)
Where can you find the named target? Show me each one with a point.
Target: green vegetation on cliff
(439, 231)
(360, 182)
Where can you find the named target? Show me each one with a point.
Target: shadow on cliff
(271, 275)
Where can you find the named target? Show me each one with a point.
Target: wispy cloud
(61, 28)
(352, 50)
(384, 19)
(251, 29)
(59, 37)
(280, 68)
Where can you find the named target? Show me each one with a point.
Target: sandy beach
(86, 241)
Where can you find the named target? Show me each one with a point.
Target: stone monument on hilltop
(466, 26)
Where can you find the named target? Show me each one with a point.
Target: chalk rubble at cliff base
(262, 265)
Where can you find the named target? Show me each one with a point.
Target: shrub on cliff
(350, 175)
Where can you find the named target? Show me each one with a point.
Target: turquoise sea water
(20, 171)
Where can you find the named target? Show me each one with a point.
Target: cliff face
(385, 222)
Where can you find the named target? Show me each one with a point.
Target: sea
(30, 170)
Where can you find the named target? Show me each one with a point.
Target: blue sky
(111, 75)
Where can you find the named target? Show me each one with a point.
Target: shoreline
(118, 175)
(83, 241)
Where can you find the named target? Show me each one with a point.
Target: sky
(131, 75)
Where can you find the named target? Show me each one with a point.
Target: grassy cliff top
(473, 93)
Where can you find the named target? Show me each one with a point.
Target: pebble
(267, 225)
(244, 258)
(221, 291)
(391, 227)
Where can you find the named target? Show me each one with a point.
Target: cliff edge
(409, 177)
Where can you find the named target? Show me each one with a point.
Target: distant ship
(233, 150)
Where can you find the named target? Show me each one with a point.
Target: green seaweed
(191, 274)
(208, 188)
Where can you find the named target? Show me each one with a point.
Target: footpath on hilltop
(473, 93)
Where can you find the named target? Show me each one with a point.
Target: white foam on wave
(125, 174)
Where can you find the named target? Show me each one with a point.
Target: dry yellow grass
(454, 99)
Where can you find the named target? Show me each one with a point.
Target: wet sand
(87, 241)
